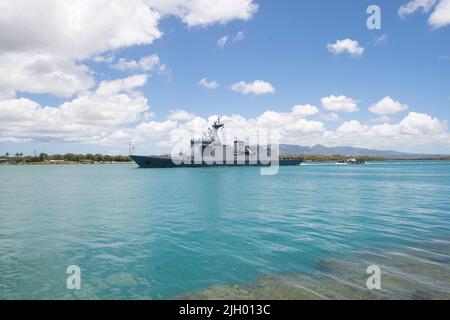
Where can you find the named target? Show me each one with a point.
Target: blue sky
(285, 45)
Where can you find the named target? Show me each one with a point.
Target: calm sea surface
(310, 231)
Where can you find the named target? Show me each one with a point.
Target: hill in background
(287, 149)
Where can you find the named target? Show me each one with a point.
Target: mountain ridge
(289, 149)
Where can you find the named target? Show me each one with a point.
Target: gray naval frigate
(210, 152)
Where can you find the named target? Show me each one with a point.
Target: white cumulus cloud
(331, 117)
(180, 115)
(382, 119)
(349, 46)
(416, 129)
(440, 17)
(45, 43)
(42, 73)
(205, 83)
(339, 104)
(412, 6)
(89, 117)
(96, 117)
(305, 110)
(206, 12)
(257, 87)
(388, 106)
(147, 63)
(75, 28)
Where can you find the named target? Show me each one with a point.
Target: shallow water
(308, 232)
(403, 276)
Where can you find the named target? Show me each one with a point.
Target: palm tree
(17, 154)
(7, 154)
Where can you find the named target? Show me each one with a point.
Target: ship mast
(214, 134)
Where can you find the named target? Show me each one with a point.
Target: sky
(96, 76)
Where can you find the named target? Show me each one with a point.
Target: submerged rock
(121, 279)
(403, 276)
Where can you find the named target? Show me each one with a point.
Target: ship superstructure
(210, 151)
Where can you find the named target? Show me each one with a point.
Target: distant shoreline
(75, 159)
(335, 158)
(61, 164)
(63, 159)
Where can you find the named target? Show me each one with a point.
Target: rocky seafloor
(412, 273)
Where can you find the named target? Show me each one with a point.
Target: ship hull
(163, 162)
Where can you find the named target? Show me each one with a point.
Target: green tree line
(68, 157)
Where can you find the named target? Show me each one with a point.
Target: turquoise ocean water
(165, 233)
